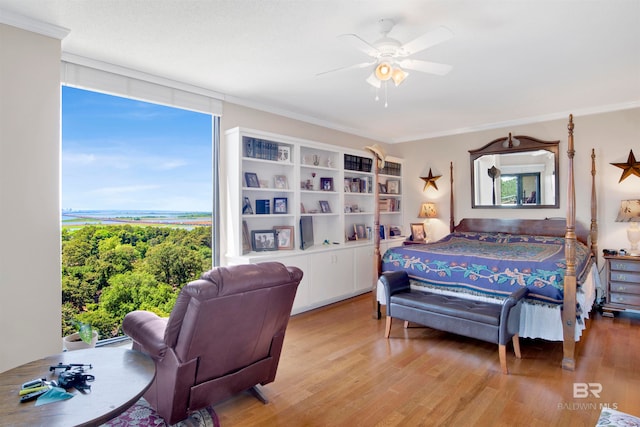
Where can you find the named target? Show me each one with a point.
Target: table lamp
(427, 210)
(630, 212)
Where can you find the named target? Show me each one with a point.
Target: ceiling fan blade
(425, 66)
(360, 44)
(432, 38)
(349, 67)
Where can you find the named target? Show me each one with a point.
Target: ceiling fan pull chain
(385, 95)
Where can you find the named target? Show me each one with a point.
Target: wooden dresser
(623, 284)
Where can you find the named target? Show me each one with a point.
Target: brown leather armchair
(224, 336)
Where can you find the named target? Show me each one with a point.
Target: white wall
(30, 308)
(612, 135)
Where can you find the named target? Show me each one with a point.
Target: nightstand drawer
(625, 299)
(625, 265)
(623, 276)
(626, 288)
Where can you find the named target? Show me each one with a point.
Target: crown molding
(523, 121)
(33, 25)
(301, 117)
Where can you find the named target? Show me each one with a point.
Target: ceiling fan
(391, 58)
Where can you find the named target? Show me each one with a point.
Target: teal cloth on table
(54, 394)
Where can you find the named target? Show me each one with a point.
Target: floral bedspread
(490, 264)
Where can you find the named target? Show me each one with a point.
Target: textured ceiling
(513, 61)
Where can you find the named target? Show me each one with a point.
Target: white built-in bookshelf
(275, 182)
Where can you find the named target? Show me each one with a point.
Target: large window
(138, 203)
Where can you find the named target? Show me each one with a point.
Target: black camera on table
(609, 252)
(73, 376)
(76, 379)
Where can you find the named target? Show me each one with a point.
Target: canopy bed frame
(566, 235)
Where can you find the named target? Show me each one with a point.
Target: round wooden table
(121, 377)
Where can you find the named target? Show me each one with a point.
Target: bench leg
(502, 353)
(516, 346)
(406, 324)
(387, 330)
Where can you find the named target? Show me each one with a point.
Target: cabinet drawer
(624, 276)
(625, 299)
(626, 288)
(625, 265)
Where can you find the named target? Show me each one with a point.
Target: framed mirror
(518, 172)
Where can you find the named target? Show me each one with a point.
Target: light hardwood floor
(337, 369)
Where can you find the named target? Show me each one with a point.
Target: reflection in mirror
(516, 172)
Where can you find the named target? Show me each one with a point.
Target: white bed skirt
(538, 320)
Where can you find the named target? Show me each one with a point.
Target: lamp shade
(383, 71)
(428, 210)
(629, 211)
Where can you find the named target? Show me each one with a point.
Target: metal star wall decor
(632, 167)
(430, 180)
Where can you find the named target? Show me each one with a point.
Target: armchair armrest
(146, 329)
(394, 282)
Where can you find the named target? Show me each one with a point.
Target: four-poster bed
(485, 259)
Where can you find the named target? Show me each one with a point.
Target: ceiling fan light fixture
(374, 81)
(383, 71)
(398, 75)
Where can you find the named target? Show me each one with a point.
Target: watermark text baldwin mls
(584, 391)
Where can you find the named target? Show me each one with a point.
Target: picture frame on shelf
(284, 153)
(264, 183)
(246, 207)
(280, 205)
(324, 206)
(251, 179)
(393, 186)
(326, 184)
(285, 236)
(383, 232)
(246, 243)
(347, 185)
(355, 185)
(418, 232)
(280, 182)
(360, 231)
(264, 240)
(382, 188)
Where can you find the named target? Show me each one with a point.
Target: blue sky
(124, 154)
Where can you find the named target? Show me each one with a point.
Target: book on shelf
(389, 205)
(263, 206)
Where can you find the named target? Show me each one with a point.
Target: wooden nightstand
(623, 284)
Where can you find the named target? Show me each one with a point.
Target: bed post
(569, 303)
(593, 234)
(452, 224)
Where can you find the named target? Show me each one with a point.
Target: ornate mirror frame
(531, 165)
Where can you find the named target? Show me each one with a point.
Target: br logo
(583, 390)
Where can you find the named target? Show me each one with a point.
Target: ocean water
(86, 217)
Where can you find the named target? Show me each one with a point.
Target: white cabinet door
(333, 276)
(363, 269)
(302, 295)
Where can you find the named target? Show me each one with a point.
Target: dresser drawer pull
(622, 277)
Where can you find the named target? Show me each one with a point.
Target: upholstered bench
(495, 323)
